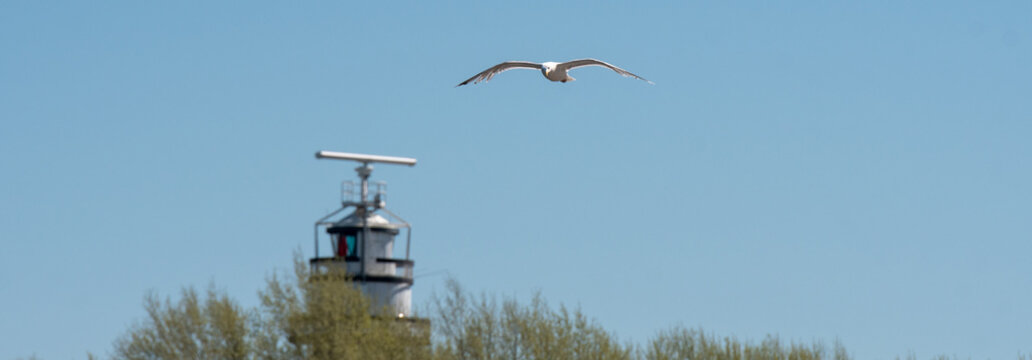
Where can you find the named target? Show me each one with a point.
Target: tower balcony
(388, 270)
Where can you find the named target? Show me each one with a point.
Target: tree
(324, 316)
(469, 328)
(683, 343)
(187, 329)
(314, 316)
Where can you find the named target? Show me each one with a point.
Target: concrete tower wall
(397, 297)
(380, 245)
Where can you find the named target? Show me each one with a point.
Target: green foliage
(469, 328)
(310, 317)
(324, 316)
(683, 343)
(189, 329)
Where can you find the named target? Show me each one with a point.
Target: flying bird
(552, 70)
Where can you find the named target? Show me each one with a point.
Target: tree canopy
(306, 317)
(324, 316)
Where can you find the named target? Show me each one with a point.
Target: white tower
(363, 242)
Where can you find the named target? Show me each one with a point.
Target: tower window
(349, 244)
(346, 244)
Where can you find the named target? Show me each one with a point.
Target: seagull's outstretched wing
(573, 64)
(494, 70)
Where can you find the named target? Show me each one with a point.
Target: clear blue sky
(818, 171)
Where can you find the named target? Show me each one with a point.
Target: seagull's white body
(551, 70)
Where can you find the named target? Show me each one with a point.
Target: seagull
(552, 70)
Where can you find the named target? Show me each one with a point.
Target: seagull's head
(548, 67)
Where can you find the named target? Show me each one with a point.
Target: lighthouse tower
(364, 242)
